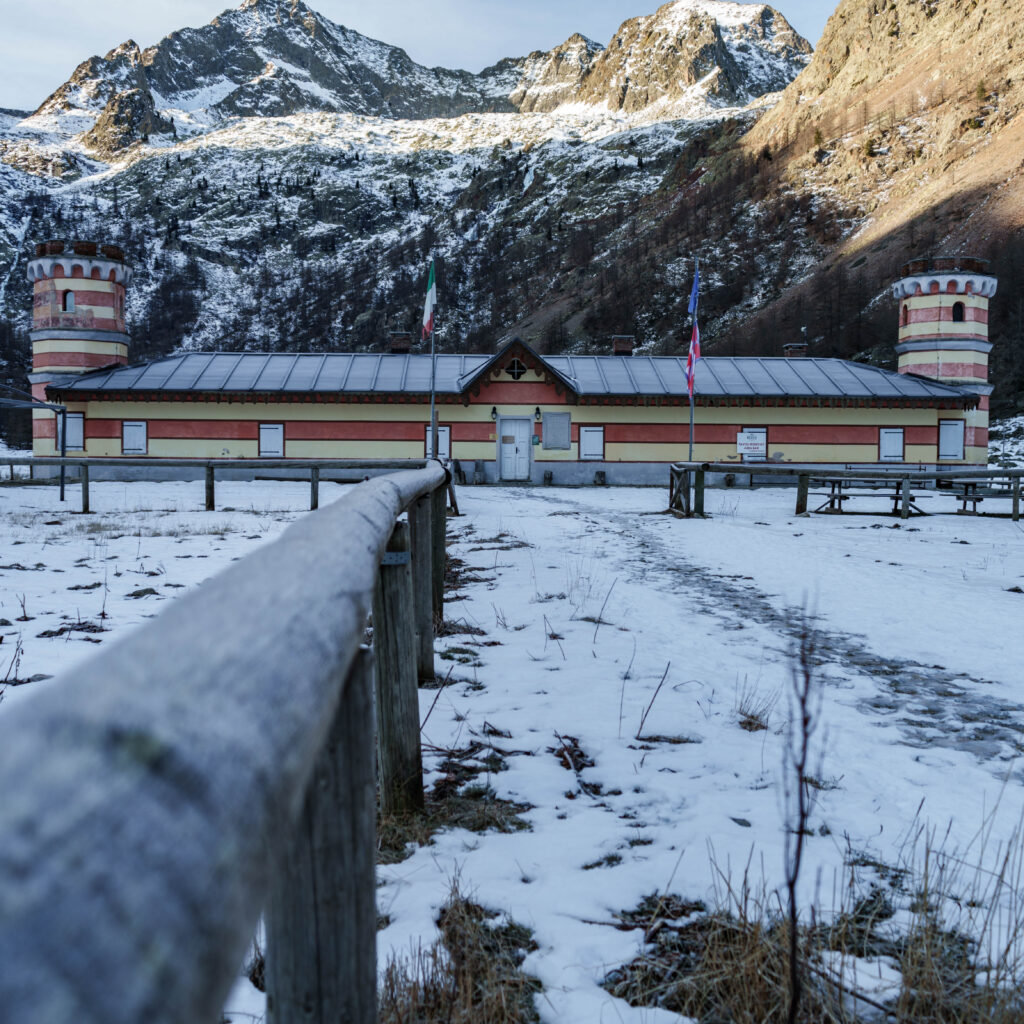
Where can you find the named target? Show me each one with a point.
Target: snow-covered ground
(648, 640)
(87, 578)
(1006, 443)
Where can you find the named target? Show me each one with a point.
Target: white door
(890, 444)
(514, 441)
(444, 442)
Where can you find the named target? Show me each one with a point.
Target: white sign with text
(752, 443)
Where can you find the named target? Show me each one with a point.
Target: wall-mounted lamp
(494, 412)
(536, 414)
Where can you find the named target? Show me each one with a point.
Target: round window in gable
(515, 369)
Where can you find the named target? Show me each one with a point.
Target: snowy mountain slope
(274, 58)
(279, 181)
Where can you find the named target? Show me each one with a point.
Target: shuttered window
(76, 431)
(951, 439)
(557, 430)
(890, 444)
(272, 440)
(591, 442)
(133, 437)
(444, 442)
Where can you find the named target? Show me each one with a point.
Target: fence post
(321, 916)
(314, 488)
(398, 710)
(802, 485)
(905, 508)
(698, 492)
(85, 487)
(210, 502)
(687, 503)
(422, 585)
(439, 526)
(1016, 499)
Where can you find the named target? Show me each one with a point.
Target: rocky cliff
(276, 58)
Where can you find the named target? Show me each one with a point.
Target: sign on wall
(752, 444)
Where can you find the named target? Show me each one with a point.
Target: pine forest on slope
(280, 182)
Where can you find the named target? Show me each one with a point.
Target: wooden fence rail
(213, 763)
(210, 467)
(899, 478)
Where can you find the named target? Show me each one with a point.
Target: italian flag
(428, 306)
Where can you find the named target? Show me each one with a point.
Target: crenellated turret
(944, 333)
(944, 319)
(77, 318)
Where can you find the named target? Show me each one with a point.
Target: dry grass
(718, 967)
(472, 976)
(457, 800)
(733, 964)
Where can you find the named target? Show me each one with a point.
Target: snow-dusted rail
(686, 475)
(216, 760)
(133, 464)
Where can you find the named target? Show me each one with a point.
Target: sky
(38, 53)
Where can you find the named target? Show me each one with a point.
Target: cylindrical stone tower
(944, 333)
(944, 319)
(77, 320)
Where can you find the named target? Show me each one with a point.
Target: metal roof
(284, 372)
(743, 376)
(390, 373)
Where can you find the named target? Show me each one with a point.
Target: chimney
(795, 349)
(622, 344)
(399, 341)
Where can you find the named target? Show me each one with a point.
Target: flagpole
(696, 270)
(691, 430)
(433, 414)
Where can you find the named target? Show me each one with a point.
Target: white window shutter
(591, 442)
(951, 439)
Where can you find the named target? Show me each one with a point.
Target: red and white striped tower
(944, 332)
(77, 319)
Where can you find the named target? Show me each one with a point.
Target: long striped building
(514, 414)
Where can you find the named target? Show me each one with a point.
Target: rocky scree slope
(909, 118)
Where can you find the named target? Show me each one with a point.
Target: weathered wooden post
(698, 493)
(905, 490)
(314, 488)
(803, 484)
(422, 536)
(439, 525)
(210, 497)
(85, 487)
(321, 917)
(1016, 499)
(398, 713)
(687, 505)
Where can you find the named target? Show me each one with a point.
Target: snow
(1006, 443)
(678, 13)
(139, 536)
(918, 654)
